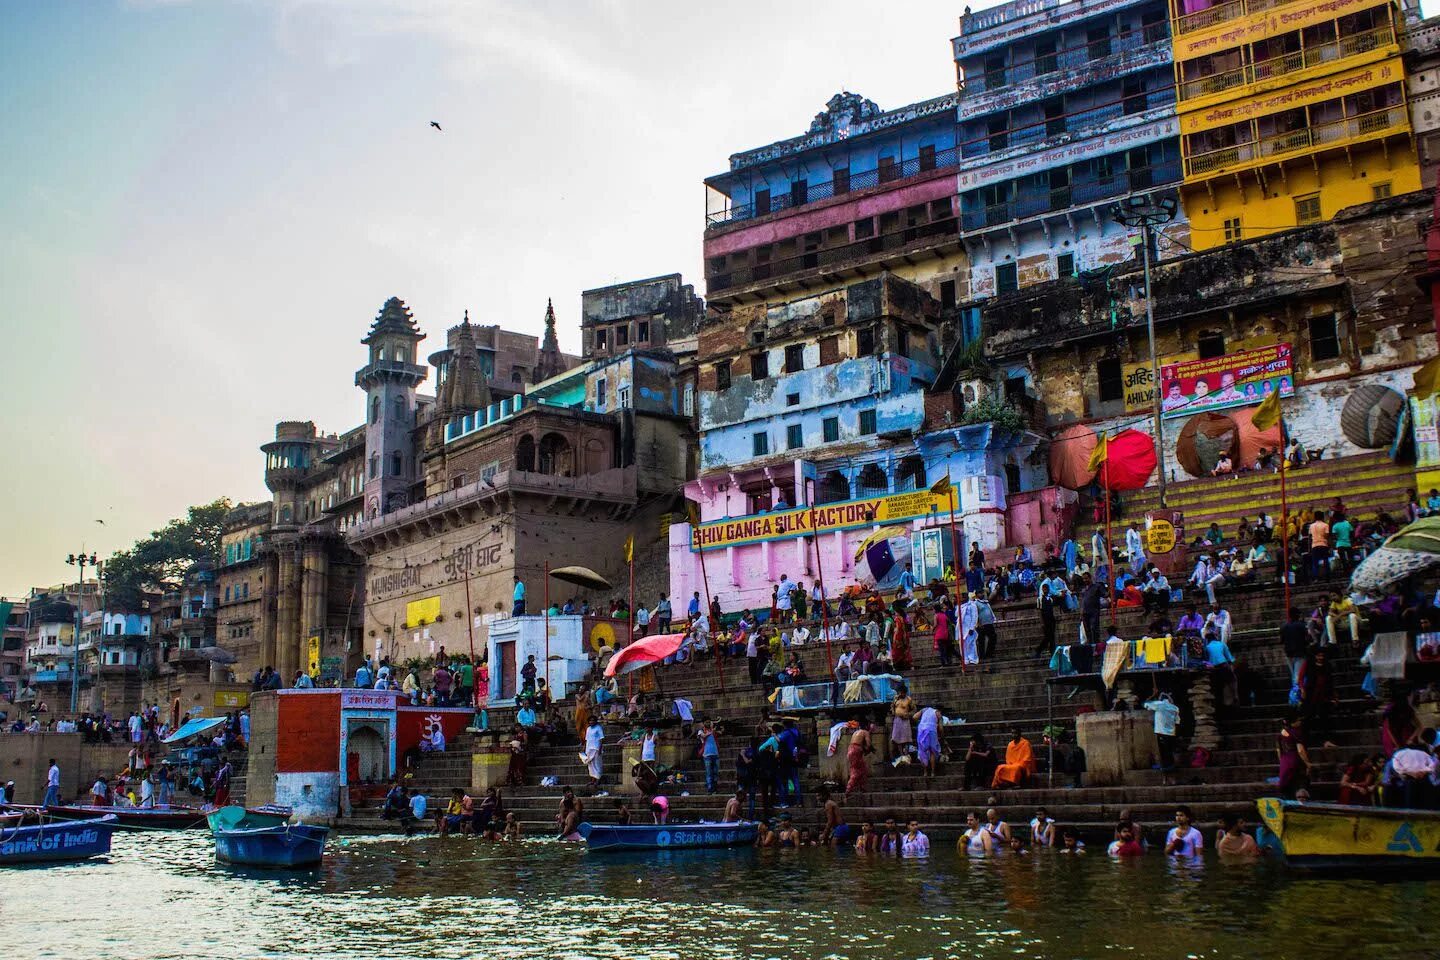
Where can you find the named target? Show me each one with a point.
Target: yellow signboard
(825, 518)
(1139, 382)
(232, 700)
(313, 645)
(422, 611)
(1160, 537)
(1285, 18)
(1299, 95)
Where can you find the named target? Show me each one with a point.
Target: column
(316, 573)
(268, 597)
(287, 613)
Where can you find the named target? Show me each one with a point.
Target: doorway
(367, 753)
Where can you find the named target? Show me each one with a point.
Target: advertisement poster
(826, 518)
(1234, 380)
(1427, 444)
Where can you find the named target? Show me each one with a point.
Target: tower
(549, 363)
(389, 381)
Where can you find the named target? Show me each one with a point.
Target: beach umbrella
(218, 655)
(1070, 457)
(1414, 549)
(881, 558)
(1129, 461)
(644, 653)
(581, 577)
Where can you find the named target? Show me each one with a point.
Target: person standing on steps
(518, 608)
(1135, 549)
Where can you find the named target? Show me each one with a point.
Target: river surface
(162, 895)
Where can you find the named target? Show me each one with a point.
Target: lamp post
(1147, 213)
(81, 560)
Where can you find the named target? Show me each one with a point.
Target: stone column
(268, 597)
(316, 573)
(1202, 705)
(287, 613)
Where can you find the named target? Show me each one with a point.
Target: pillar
(316, 585)
(1202, 705)
(287, 613)
(268, 597)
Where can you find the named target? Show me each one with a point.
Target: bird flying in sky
(435, 124)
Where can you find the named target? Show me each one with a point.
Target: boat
(1330, 836)
(170, 817)
(288, 846)
(58, 841)
(674, 836)
(238, 818)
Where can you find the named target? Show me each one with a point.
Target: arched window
(832, 488)
(911, 474)
(397, 464)
(374, 409)
(555, 456)
(873, 481)
(374, 465)
(525, 454)
(400, 409)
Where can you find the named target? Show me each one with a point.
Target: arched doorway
(525, 454)
(873, 482)
(555, 458)
(911, 475)
(833, 488)
(367, 754)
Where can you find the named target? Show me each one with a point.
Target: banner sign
(1022, 164)
(1258, 26)
(1234, 380)
(1298, 95)
(824, 518)
(1426, 415)
(1139, 383)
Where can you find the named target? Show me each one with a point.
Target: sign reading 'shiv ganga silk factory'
(824, 518)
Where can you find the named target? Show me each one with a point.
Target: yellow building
(1289, 112)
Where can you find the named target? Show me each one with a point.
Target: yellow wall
(1342, 181)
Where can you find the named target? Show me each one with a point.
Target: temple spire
(549, 362)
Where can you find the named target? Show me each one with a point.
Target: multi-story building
(1421, 45)
(1067, 108)
(15, 621)
(642, 314)
(51, 636)
(242, 618)
(1289, 111)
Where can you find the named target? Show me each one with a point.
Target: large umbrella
(1413, 549)
(581, 577)
(644, 653)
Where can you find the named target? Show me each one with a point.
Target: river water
(161, 895)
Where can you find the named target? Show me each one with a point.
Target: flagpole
(714, 627)
(955, 565)
(1284, 517)
(1109, 550)
(547, 629)
(470, 632)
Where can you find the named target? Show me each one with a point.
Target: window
(867, 422)
(1065, 265)
(689, 401)
(600, 339)
(864, 229)
(1210, 344)
(759, 366)
(374, 465)
(889, 170)
(1012, 478)
(927, 157)
(1132, 92)
(864, 343)
(622, 336)
(397, 462)
(642, 331)
(947, 293)
(400, 408)
(517, 374)
(792, 399)
(1379, 191)
(1111, 378)
(830, 429)
(1324, 338)
(1098, 41)
(794, 437)
(622, 396)
(759, 444)
(1307, 209)
(374, 409)
(799, 192)
(1232, 230)
(227, 594)
(795, 358)
(841, 183)
(722, 375)
(1007, 279)
(1045, 56)
(600, 394)
(762, 202)
(1054, 116)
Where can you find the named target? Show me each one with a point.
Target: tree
(162, 559)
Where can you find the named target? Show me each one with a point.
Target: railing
(1066, 58)
(1056, 200)
(1373, 124)
(1289, 62)
(740, 274)
(893, 173)
(1221, 12)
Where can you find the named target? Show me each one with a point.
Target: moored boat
(290, 846)
(1333, 836)
(58, 841)
(674, 836)
(170, 817)
(240, 818)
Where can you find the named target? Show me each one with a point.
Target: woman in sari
(900, 656)
(1018, 766)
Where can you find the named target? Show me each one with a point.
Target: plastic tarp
(191, 727)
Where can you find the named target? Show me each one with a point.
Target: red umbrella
(1070, 456)
(644, 653)
(1129, 461)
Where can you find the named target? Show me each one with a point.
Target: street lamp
(1147, 213)
(82, 561)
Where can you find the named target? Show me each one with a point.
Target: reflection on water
(161, 895)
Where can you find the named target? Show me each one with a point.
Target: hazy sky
(204, 204)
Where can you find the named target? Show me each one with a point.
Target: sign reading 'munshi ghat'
(823, 518)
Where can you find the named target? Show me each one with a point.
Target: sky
(204, 204)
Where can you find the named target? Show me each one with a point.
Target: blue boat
(239, 818)
(673, 836)
(57, 841)
(292, 846)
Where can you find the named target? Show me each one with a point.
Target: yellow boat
(1321, 836)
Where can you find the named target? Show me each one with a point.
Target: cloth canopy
(1070, 457)
(644, 653)
(191, 727)
(1129, 461)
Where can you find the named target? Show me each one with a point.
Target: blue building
(1067, 107)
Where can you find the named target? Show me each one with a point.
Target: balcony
(1289, 63)
(1200, 19)
(390, 369)
(1041, 202)
(895, 173)
(895, 243)
(1089, 61)
(1365, 126)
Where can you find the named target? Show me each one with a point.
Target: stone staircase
(1008, 693)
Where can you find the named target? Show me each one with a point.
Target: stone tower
(549, 363)
(389, 381)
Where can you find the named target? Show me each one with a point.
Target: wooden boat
(288, 846)
(171, 817)
(240, 818)
(1320, 836)
(673, 836)
(57, 841)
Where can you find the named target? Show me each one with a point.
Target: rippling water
(162, 895)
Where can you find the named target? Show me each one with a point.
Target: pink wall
(1038, 517)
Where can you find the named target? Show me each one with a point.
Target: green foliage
(971, 357)
(996, 411)
(162, 558)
